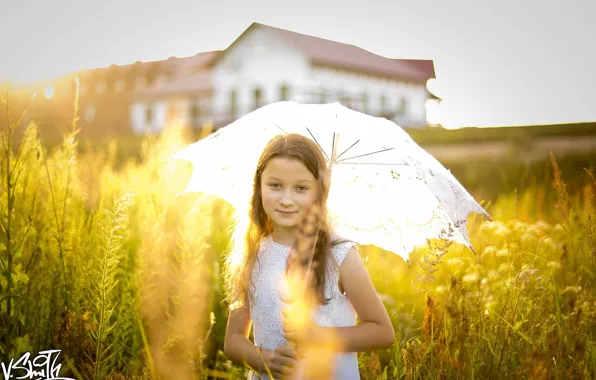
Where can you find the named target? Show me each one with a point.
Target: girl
(291, 175)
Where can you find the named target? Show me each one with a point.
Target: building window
(149, 115)
(233, 103)
(364, 107)
(403, 106)
(258, 98)
(284, 92)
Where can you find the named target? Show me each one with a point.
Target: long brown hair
(248, 235)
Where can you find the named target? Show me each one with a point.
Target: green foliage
(133, 290)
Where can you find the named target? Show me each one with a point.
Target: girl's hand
(301, 330)
(281, 362)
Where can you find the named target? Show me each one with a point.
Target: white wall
(337, 83)
(261, 59)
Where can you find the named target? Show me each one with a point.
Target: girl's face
(288, 189)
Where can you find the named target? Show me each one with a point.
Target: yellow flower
(558, 229)
(518, 226)
(471, 278)
(455, 262)
(542, 225)
(441, 289)
(528, 238)
(494, 228)
(491, 249)
(504, 268)
(493, 274)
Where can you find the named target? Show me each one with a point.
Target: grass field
(101, 260)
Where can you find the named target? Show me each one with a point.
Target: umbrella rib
(313, 137)
(333, 145)
(342, 153)
(367, 154)
(280, 128)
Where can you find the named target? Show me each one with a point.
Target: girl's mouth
(286, 214)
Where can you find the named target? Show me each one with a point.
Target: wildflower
(571, 289)
(528, 238)
(502, 230)
(542, 226)
(494, 228)
(518, 226)
(503, 252)
(492, 274)
(504, 268)
(471, 278)
(526, 274)
(441, 289)
(554, 265)
(537, 229)
(558, 229)
(491, 249)
(456, 263)
(549, 244)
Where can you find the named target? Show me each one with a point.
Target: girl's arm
(237, 347)
(375, 330)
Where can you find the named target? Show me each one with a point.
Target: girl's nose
(286, 199)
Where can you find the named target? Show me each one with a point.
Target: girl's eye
(302, 188)
(274, 185)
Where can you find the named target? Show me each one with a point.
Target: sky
(497, 63)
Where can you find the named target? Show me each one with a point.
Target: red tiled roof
(425, 65)
(326, 52)
(173, 65)
(192, 74)
(190, 64)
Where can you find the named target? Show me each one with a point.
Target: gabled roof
(331, 53)
(173, 65)
(193, 74)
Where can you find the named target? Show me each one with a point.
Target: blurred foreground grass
(102, 261)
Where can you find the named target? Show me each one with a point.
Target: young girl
(292, 175)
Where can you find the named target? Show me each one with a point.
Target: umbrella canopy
(385, 190)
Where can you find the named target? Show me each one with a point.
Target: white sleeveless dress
(268, 276)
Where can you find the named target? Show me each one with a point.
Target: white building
(267, 64)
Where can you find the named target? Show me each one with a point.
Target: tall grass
(120, 287)
(133, 289)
